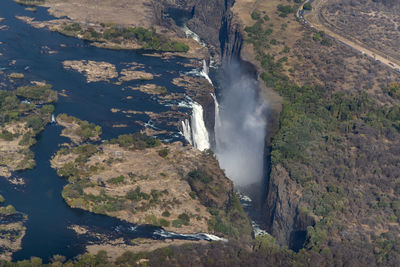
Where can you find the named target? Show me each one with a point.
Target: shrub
(47, 109)
(180, 46)
(6, 135)
(137, 195)
(166, 213)
(163, 222)
(307, 6)
(255, 15)
(73, 27)
(184, 217)
(163, 152)
(285, 10)
(138, 140)
(41, 93)
(200, 175)
(36, 123)
(117, 180)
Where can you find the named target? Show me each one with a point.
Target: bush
(138, 140)
(73, 27)
(166, 213)
(255, 15)
(117, 180)
(200, 175)
(47, 109)
(137, 195)
(163, 222)
(40, 93)
(36, 123)
(307, 6)
(163, 152)
(6, 135)
(184, 217)
(285, 10)
(180, 47)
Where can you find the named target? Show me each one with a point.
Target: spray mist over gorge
(240, 126)
(240, 119)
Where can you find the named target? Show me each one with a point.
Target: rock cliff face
(213, 21)
(284, 219)
(231, 38)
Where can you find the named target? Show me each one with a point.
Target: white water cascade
(186, 131)
(192, 35)
(204, 72)
(199, 130)
(196, 132)
(217, 122)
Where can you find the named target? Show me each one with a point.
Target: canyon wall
(220, 28)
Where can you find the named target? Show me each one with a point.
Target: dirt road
(314, 20)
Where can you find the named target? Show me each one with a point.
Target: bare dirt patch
(151, 89)
(130, 12)
(94, 71)
(133, 74)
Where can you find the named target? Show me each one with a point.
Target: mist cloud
(241, 127)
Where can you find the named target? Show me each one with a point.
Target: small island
(12, 230)
(140, 180)
(24, 113)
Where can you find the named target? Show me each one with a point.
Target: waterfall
(186, 131)
(192, 35)
(196, 132)
(204, 72)
(217, 122)
(199, 130)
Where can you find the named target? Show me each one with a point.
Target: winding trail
(314, 20)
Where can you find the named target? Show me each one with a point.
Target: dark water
(40, 198)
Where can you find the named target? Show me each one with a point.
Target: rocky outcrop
(231, 37)
(285, 219)
(212, 21)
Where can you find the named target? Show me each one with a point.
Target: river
(49, 218)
